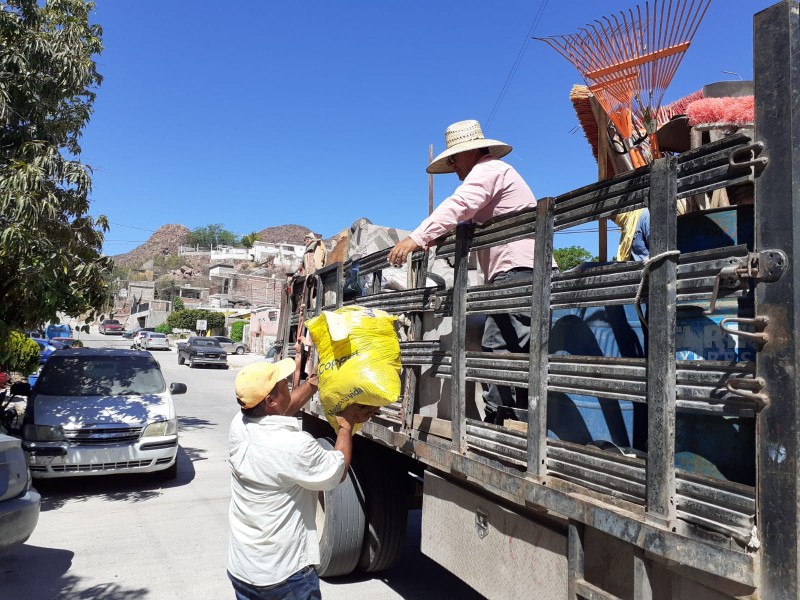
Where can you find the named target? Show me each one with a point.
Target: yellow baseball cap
(255, 381)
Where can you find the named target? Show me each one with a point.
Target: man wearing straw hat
(314, 254)
(276, 472)
(489, 188)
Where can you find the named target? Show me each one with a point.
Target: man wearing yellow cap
(277, 470)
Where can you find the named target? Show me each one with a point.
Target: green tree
(212, 236)
(20, 354)
(570, 257)
(178, 304)
(187, 319)
(237, 331)
(164, 328)
(249, 240)
(50, 247)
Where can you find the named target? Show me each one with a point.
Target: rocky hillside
(163, 242)
(166, 240)
(283, 234)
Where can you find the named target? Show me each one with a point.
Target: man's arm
(353, 414)
(302, 394)
(472, 195)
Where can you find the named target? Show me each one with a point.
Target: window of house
(273, 315)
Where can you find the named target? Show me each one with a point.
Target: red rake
(627, 61)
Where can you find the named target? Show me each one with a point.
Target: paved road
(131, 538)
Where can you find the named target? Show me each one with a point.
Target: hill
(166, 240)
(163, 242)
(283, 234)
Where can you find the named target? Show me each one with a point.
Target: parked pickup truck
(199, 350)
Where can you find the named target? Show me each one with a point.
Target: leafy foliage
(250, 239)
(212, 236)
(570, 257)
(187, 319)
(50, 247)
(168, 261)
(164, 328)
(19, 354)
(237, 331)
(177, 304)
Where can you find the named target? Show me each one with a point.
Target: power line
(517, 62)
(132, 227)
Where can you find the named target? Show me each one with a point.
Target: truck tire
(340, 525)
(191, 363)
(180, 359)
(386, 513)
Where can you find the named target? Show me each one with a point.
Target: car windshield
(159, 336)
(112, 322)
(206, 343)
(100, 376)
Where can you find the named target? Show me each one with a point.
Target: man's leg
(494, 341)
(504, 333)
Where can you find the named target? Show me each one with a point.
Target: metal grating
(94, 436)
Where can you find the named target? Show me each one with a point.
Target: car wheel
(181, 360)
(191, 363)
(340, 525)
(239, 350)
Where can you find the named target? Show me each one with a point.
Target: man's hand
(313, 378)
(355, 413)
(401, 251)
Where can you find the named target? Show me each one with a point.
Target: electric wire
(517, 62)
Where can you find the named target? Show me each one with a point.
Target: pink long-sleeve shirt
(490, 189)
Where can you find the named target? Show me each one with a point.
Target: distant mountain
(284, 234)
(164, 241)
(168, 238)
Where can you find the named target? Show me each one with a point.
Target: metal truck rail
(681, 526)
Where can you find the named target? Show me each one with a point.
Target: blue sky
(254, 114)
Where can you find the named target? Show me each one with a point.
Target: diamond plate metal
(517, 557)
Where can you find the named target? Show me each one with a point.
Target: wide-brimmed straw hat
(463, 136)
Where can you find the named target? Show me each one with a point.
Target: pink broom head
(722, 112)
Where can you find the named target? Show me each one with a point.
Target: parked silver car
(153, 340)
(137, 339)
(230, 346)
(19, 502)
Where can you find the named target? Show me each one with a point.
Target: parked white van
(96, 411)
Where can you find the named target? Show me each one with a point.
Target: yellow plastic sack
(359, 358)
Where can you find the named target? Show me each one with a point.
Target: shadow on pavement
(114, 488)
(36, 573)
(194, 423)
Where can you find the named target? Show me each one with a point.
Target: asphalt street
(133, 537)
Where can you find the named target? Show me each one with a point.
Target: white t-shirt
(276, 471)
